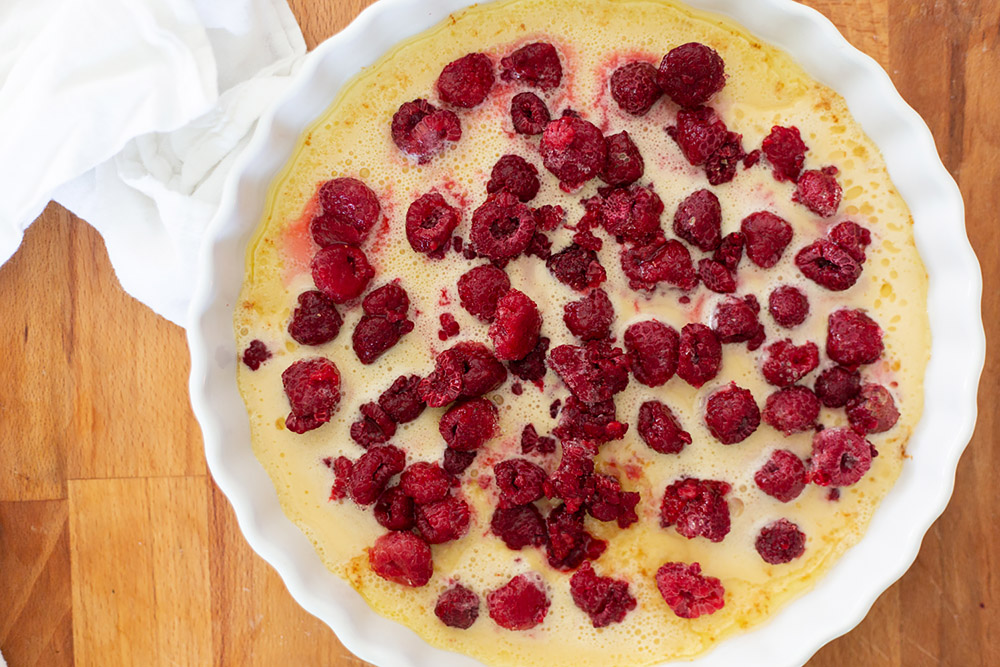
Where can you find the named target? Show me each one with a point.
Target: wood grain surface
(117, 549)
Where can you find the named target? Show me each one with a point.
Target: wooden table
(117, 548)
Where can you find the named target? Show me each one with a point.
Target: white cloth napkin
(130, 113)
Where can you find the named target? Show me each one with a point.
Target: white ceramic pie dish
(841, 599)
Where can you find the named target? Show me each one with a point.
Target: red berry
(348, 211)
(827, 264)
(481, 371)
(519, 482)
(792, 409)
(780, 542)
(591, 317)
(595, 372)
(873, 410)
(699, 355)
(788, 306)
(449, 326)
(731, 414)
(421, 130)
(569, 543)
(402, 558)
(687, 592)
(624, 164)
(785, 364)
(603, 599)
(535, 64)
(853, 238)
(576, 267)
(652, 348)
(634, 87)
(698, 220)
(444, 384)
(840, 457)
(430, 220)
(316, 320)
(610, 503)
(736, 322)
(425, 482)
(342, 468)
(730, 250)
(721, 166)
(548, 218)
(519, 526)
(786, 152)
(515, 328)
(394, 509)
(374, 427)
(529, 114)
(442, 520)
(256, 354)
(699, 133)
(836, 386)
(313, 389)
(658, 261)
(573, 149)
(696, 507)
(572, 481)
(532, 442)
(692, 74)
(597, 422)
(819, 191)
(659, 428)
(341, 272)
(767, 236)
(375, 334)
(502, 227)
(372, 471)
(532, 367)
(716, 277)
(467, 426)
(456, 462)
(853, 338)
(520, 604)
(783, 476)
(457, 607)
(467, 81)
(514, 174)
(479, 290)
(632, 213)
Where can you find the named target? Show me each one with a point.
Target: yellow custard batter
(764, 88)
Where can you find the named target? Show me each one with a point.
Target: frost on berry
(520, 604)
(736, 321)
(840, 457)
(457, 607)
(611, 503)
(819, 191)
(788, 305)
(688, 592)
(696, 508)
(502, 227)
(313, 389)
(853, 338)
(519, 482)
(514, 174)
(624, 164)
(872, 410)
(783, 476)
(792, 409)
(660, 430)
(604, 599)
(402, 558)
(731, 414)
(572, 482)
(594, 372)
(648, 264)
(535, 64)
(785, 363)
(698, 220)
(632, 213)
(425, 482)
(692, 74)
(574, 150)
(634, 87)
(597, 422)
(421, 130)
(652, 348)
(699, 133)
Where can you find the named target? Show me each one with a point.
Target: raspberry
(785, 364)
(256, 354)
(514, 174)
(652, 348)
(430, 220)
(786, 152)
(348, 211)
(788, 306)
(442, 520)
(534, 64)
(573, 149)
(532, 442)
(603, 599)
(374, 427)
(730, 250)
(853, 238)
(456, 462)
(634, 88)
(502, 227)
(569, 543)
(658, 261)
(699, 355)
(394, 509)
(402, 558)
(698, 220)
(341, 272)
(610, 503)
(827, 264)
(853, 338)
(549, 217)
(687, 592)
(480, 288)
(595, 372)
(420, 129)
(481, 372)
(457, 607)
(696, 507)
(632, 213)
(375, 335)
(467, 426)
(792, 409)
(736, 322)
(467, 81)
(699, 133)
(731, 414)
(540, 245)
(519, 482)
(840, 457)
(576, 267)
(520, 604)
(449, 326)
(767, 236)
(342, 468)
(532, 367)
(780, 542)
(721, 166)
(389, 301)
(691, 74)
(591, 317)
(715, 276)
(819, 191)
(425, 482)
(659, 428)
(572, 481)
(873, 410)
(313, 389)
(519, 526)
(401, 401)
(514, 331)
(529, 114)
(316, 320)
(372, 471)
(624, 164)
(783, 476)
(836, 386)
(596, 422)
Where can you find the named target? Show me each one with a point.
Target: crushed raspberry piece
(514, 174)
(449, 326)
(402, 558)
(342, 468)
(624, 164)
(256, 354)
(840, 457)
(540, 245)
(786, 152)
(783, 476)
(341, 272)
(853, 238)
(457, 607)
(730, 250)
(467, 426)
(652, 348)
(456, 462)
(610, 503)
(634, 87)
(520, 604)
(872, 410)
(480, 288)
(573, 149)
(467, 81)
(376, 334)
(549, 218)
(596, 422)
(827, 264)
(576, 267)
(529, 114)
(515, 328)
(595, 372)
(373, 470)
(603, 599)
(692, 74)
(394, 509)
(313, 389)
(425, 482)
(569, 543)
(401, 401)
(374, 427)
(699, 355)
(853, 338)
(819, 191)
(715, 276)
(519, 526)
(752, 158)
(788, 306)
(316, 320)
(792, 409)
(696, 507)
(785, 364)
(442, 520)
(430, 220)
(591, 317)
(698, 220)
(836, 386)
(348, 211)
(502, 227)
(766, 236)
(632, 213)
(532, 442)
(532, 367)
(721, 166)
(572, 482)
(554, 408)
(687, 592)
(699, 133)
(660, 430)
(420, 130)
(736, 322)
(731, 414)
(534, 64)
(519, 482)
(658, 261)
(780, 542)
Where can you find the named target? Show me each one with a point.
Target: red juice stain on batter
(297, 245)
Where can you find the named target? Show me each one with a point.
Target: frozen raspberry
(534, 64)
(596, 422)
(699, 355)
(540, 245)
(603, 599)
(502, 227)
(573, 149)
(401, 401)
(751, 159)
(730, 250)
(736, 322)
(467, 81)
(786, 152)
(430, 220)
(658, 261)
(873, 410)
(788, 306)
(827, 264)
(456, 462)
(691, 74)
(611, 503)
(767, 236)
(569, 543)
(652, 348)
(792, 409)
(853, 338)
(785, 364)
(780, 542)
(514, 174)
(840, 457)
(721, 166)
(342, 468)
(374, 427)
(256, 354)
(402, 558)
(519, 526)
(480, 288)
(389, 301)
(520, 604)
(420, 129)
(591, 317)
(549, 218)
(467, 426)
(515, 328)
(371, 473)
(632, 213)
(442, 520)
(819, 191)
(853, 238)
(572, 481)
(715, 276)
(593, 373)
(313, 389)
(659, 428)
(348, 211)
(316, 320)
(449, 326)
(698, 220)
(394, 509)
(576, 267)
(687, 592)
(375, 335)
(699, 133)
(836, 386)
(696, 507)
(519, 482)
(731, 414)
(634, 88)
(457, 607)
(783, 476)
(341, 272)
(532, 367)
(481, 371)
(529, 114)
(532, 442)
(624, 164)
(425, 482)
